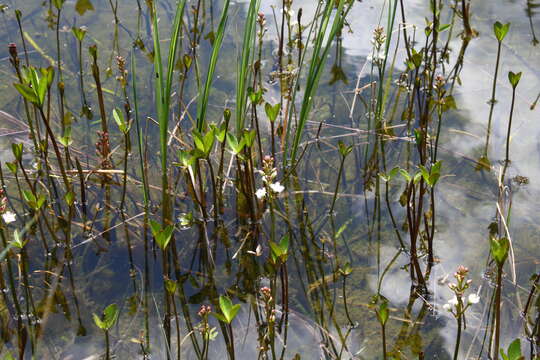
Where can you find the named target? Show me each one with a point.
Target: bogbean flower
(9, 217)
(458, 304)
(277, 187)
(288, 11)
(260, 193)
(269, 175)
(378, 40)
(473, 299)
(204, 310)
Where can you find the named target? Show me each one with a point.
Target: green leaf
(384, 177)
(417, 177)
(93, 50)
(272, 111)
(120, 121)
(514, 78)
(108, 318)
(418, 137)
(34, 202)
(162, 236)
(416, 59)
(185, 158)
(208, 140)
(280, 251)
(198, 140)
(97, 320)
(405, 174)
(425, 174)
(449, 103)
(443, 27)
(342, 228)
(220, 317)
(514, 350)
(48, 74)
(346, 270)
(69, 197)
(66, 139)
(499, 249)
(255, 96)
(17, 151)
(42, 89)
(17, 241)
(500, 30)
(382, 313)
(432, 176)
(8, 356)
(170, 285)
(344, 150)
(228, 309)
(29, 197)
(78, 32)
(82, 6)
(58, 4)
(249, 138)
(12, 166)
(221, 132)
(393, 172)
(110, 315)
(40, 201)
(234, 144)
(187, 60)
(27, 92)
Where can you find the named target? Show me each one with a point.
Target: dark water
(466, 198)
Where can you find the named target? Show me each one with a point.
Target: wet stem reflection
(245, 192)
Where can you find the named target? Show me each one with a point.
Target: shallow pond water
(337, 211)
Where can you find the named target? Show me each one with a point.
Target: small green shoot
(499, 249)
(514, 78)
(161, 235)
(228, 310)
(500, 30)
(108, 319)
(514, 351)
(280, 251)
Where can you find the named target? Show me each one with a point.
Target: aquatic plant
(232, 165)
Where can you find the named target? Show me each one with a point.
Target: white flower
(260, 193)
(268, 178)
(9, 217)
(289, 12)
(377, 57)
(277, 187)
(447, 307)
(473, 299)
(453, 301)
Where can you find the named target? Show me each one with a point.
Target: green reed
(319, 55)
(202, 105)
(163, 87)
(261, 212)
(243, 66)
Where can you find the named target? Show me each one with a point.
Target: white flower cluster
(453, 302)
(276, 188)
(269, 174)
(378, 56)
(9, 217)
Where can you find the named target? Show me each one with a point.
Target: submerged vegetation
(200, 179)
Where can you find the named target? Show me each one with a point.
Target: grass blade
(243, 66)
(203, 101)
